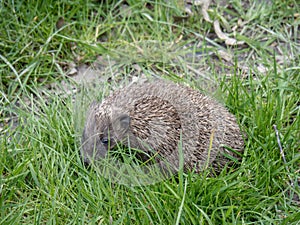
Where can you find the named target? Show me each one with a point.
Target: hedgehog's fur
(158, 116)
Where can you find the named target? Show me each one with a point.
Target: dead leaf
(225, 55)
(204, 7)
(224, 37)
(60, 23)
(205, 4)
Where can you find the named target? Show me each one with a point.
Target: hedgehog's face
(101, 134)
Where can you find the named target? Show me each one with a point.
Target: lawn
(58, 56)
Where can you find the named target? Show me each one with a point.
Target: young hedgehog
(159, 117)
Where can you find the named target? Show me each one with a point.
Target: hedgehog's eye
(104, 140)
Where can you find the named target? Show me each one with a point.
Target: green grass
(42, 179)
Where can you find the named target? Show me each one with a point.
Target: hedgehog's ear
(121, 124)
(124, 121)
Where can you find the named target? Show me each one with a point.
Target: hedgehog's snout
(83, 152)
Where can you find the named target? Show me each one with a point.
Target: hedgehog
(159, 117)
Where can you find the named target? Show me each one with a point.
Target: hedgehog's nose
(86, 162)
